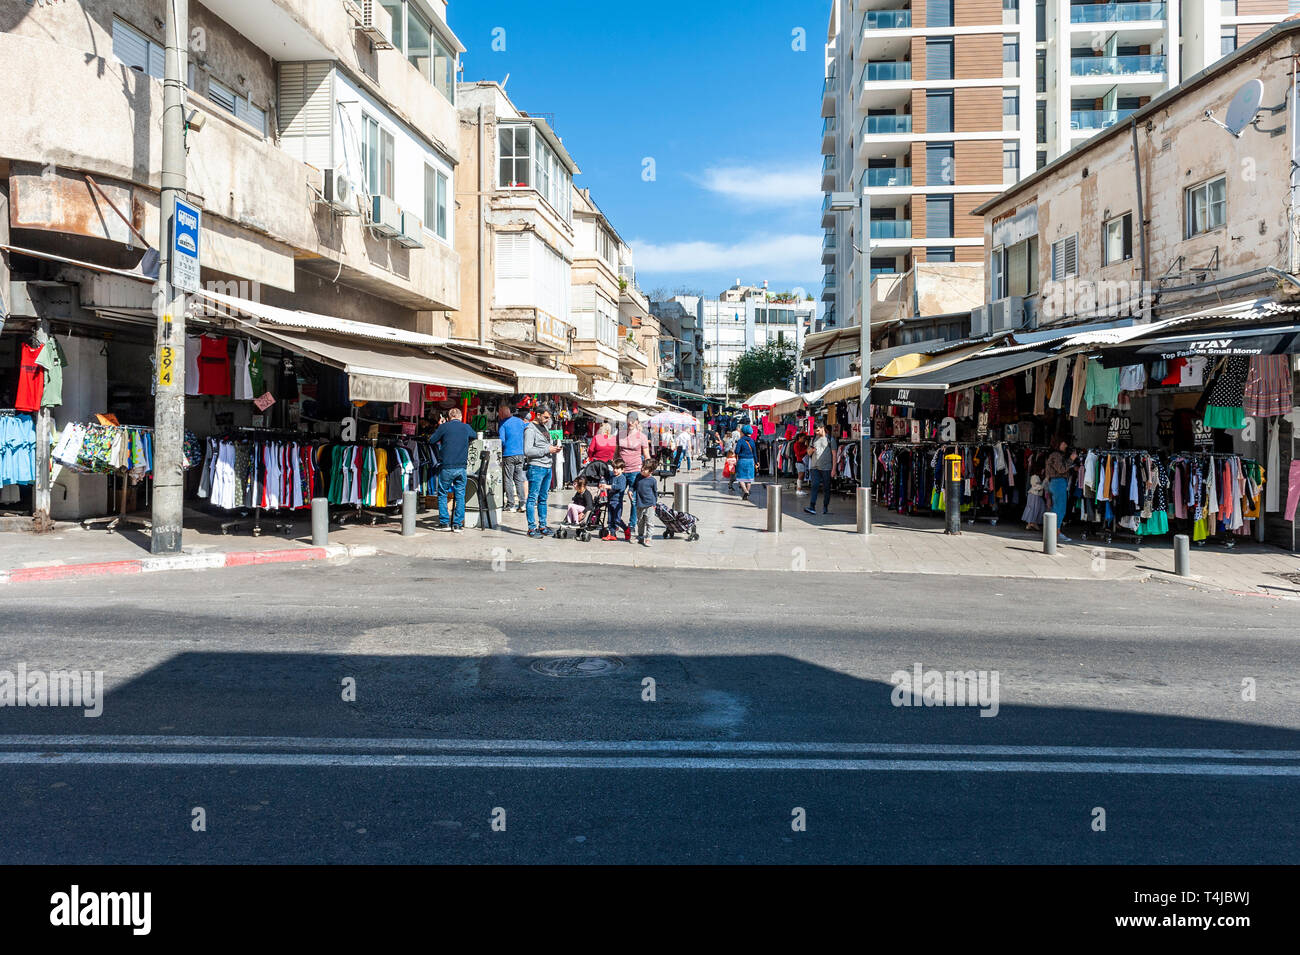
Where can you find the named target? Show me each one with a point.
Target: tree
(767, 366)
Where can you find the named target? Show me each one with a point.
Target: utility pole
(170, 304)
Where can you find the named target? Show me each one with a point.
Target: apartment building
(745, 317)
(596, 292)
(638, 328)
(322, 151)
(681, 348)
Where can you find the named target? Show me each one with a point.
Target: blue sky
(714, 93)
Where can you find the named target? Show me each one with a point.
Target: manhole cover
(577, 667)
(1293, 578)
(1118, 555)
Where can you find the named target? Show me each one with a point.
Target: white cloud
(765, 185)
(786, 255)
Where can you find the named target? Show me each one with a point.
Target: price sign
(166, 367)
(1120, 429)
(1202, 437)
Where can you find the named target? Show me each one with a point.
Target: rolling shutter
(938, 217)
(938, 13)
(939, 169)
(305, 112)
(938, 59)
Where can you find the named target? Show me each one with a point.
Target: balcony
(1090, 120)
(1116, 12)
(830, 131)
(828, 249)
(830, 89)
(887, 71)
(887, 125)
(828, 173)
(828, 216)
(629, 354)
(1116, 65)
(891, 228)
(888, 20)
(829, 287)
(887, 178)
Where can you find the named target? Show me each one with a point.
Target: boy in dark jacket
(617, 488)
(645, 494)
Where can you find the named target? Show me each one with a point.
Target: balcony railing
(877, 72)
(826, 203)
(881, 178)
(887, 20)
(828, 281)
(829, 125)
(1097, 118)
(828, 164)
(883, 125)
(1116, 12)
(1116, 65)
(876, 273)
(891, 228)
(831, 86)
(828, 243)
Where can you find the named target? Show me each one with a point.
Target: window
(1040, 122)
(940, 167)
(941, 255)
(515, 165)
(142, 54)
(1042, 159)
(1040, 70)
(416, 37)
(1207, 206)
(435, 202)
(1227, 41)
(1010, 156)
(1010, 50)
(231, 101)
(1065, 258)
(1117, 239)
(938, 59)
(938, 217)
(938, 13)
(377, 157)
(1010, 104)
(938, 111)
(527, 161)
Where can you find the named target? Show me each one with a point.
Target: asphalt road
(393, 710)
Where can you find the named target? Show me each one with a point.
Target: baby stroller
(677, 523)
(592, 523)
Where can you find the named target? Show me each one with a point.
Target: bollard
(1182, 555)
(320, 521)
(774, 508)
(952, 494)
(864, 510)
(408, 513)
(681, 497)
(1049, 533)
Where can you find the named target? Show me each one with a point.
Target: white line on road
(467, 761)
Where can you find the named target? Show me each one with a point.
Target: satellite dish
(1244, 107)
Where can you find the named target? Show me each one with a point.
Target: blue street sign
(185, 247)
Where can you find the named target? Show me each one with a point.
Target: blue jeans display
(539, 487)
(1060, 489)
(451, 479)
(820, 480)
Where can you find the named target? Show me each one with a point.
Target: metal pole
(408, 513)
(952, 494)
(320, 521)
(864, 346)
(1182, 555)
(1049, 533)
(169, 400)
(774, 508)
(681, 496)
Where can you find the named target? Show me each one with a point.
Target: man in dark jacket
(451, 444)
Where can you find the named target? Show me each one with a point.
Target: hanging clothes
(31, 379)
(1226, 397)
(214, 366)
(1268, 386)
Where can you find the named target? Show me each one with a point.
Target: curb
(204, 561)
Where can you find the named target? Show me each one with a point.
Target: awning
(790, 406)
(910, 365)
(831, 342)
(614, 392)
(986, 366)
(841, 389)
(602, 413)
(1215, 342)
(367, 361)
(530, 378)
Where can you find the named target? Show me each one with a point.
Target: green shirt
(53, 361)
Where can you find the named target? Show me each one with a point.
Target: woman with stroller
(746, 457)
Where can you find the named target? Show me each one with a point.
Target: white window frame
(1123, 225)
(440, 198)
(548, 176)
(1065, 257)
(1191, 196)
(384, 138)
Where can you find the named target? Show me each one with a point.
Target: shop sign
(1202, 437)
(263, 402)
(948, 430)
(1120, 429)
(982, 426)
(435, 393)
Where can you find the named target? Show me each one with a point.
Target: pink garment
(1292, 491)
(1180, 511)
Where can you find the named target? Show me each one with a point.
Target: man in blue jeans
(538, 452)
(820, 458)
(451, 443)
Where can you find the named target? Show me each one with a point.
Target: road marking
(467, 761)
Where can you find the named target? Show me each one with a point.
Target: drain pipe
(1142, 212)
(482, 225)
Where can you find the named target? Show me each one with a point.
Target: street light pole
(169, 346)
(864, 345)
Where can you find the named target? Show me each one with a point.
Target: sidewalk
(733, 536)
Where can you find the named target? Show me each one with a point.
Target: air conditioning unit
(979, 321)
(385, 217)
(353, 9)
(377, 24)
(341, 193)
(412, 232)
(1006, 314)
(1031, 314)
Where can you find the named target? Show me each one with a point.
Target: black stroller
(592, 523)
(678, 523)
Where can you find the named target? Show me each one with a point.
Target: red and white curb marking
(149, 565)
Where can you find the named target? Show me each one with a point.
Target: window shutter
(938, 217)
(938, 13)
(253, 115)
(1072, 255)
(939, 164)
(1128, 236)
(938, 59)
(938, 112)
(130, 46)
(305, 109)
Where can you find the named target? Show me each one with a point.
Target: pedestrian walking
(683, 450)
(514, 472)
(633, 448)
(1057, 473)
(800, 461)
(746, 456)
(451, 445)
(645, 494)
(538, 453)
(821, 455)
(617, 490)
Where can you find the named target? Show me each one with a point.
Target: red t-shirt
(31, 381)
(214, 366)
(604, 447)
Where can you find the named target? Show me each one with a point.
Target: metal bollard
(864, 511)
(774, 508)
(1182, 555)
(320, 521)
(408, 513)
(681, 496)
(1049, 533)
(952, 494)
